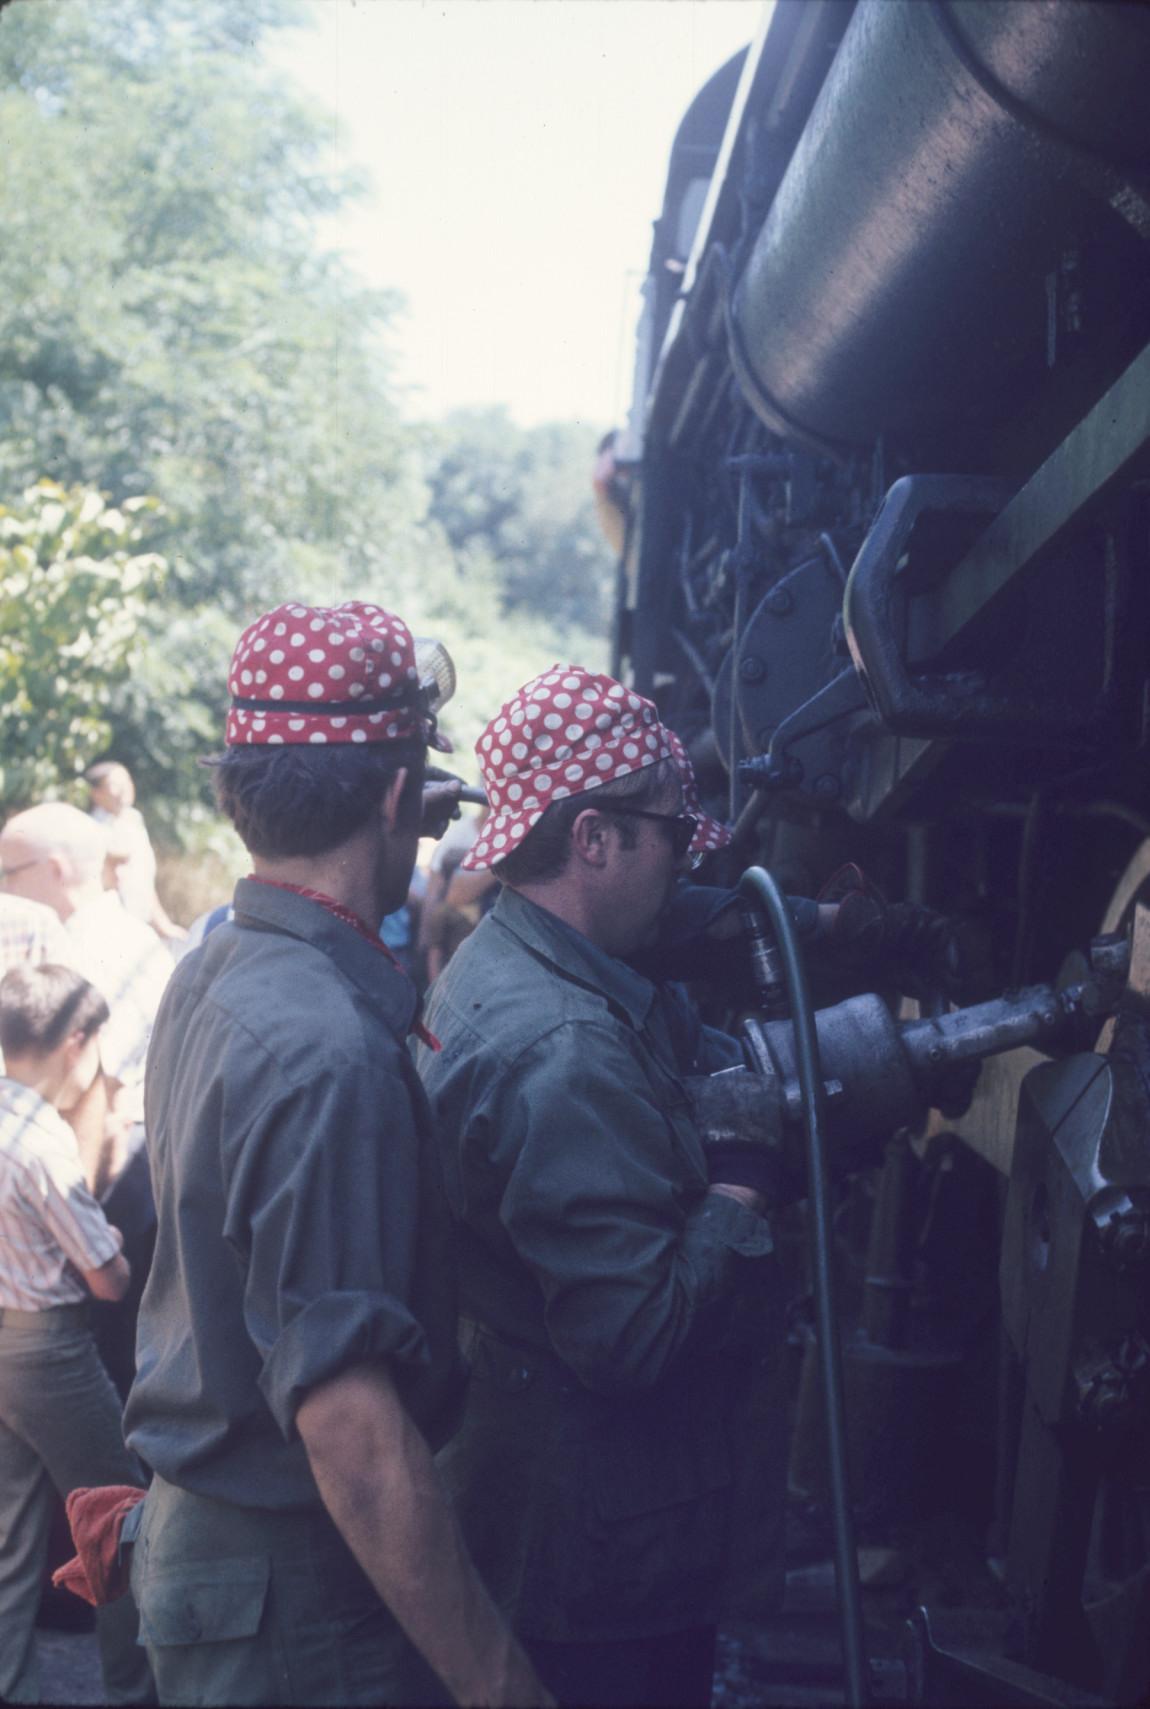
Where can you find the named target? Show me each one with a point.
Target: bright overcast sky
(517, 150)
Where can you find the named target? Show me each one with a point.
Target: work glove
(741, 1132)
(701, 936)
(902, 944)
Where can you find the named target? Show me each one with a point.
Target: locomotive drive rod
(880, 1073)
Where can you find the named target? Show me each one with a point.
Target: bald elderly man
(54, 854)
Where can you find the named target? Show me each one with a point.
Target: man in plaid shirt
(30, 932)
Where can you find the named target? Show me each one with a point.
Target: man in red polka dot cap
(619, 1468)
(565, 734)
(298, 1356)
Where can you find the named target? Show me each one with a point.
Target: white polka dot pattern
(573, 732)
(709, 833)
(338, 656)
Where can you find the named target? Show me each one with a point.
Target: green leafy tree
(74, 598)
(521, 498)
(167, 324)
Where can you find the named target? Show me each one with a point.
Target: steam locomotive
(886, 571)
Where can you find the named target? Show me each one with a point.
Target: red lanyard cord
(424, 1034)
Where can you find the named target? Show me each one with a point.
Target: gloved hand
(919, 952)
(700, 936)
(741, 1132)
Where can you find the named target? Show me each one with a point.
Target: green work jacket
(619, 1471)
(302, 1222)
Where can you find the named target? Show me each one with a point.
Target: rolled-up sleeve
(608, 1211)
(321, 1209)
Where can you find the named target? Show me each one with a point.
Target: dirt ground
(70, 1672)
(69, 1667)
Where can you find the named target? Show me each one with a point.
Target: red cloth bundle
(96, 1517)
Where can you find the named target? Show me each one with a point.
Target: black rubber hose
(758, 885)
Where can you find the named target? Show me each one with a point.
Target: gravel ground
(69, 1667)
(747, 1674)
(788, 1662)
(70, 1671)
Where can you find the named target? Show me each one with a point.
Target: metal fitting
(1125, 1238)
(1114, 1391)
(764, 773)
(1110, 955)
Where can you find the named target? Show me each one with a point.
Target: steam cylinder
(953, 148)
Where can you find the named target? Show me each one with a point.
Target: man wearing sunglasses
(618, 1472)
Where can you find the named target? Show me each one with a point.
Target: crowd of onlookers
(86, 950)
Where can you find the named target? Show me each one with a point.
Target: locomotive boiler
(886, 569)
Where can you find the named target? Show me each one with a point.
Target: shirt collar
(19, 1096)
(277, 910)
(24, 1105)
(106, 904)
(574, 956)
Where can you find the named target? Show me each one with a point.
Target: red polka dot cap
(709, 833)
(567, 732)
(344, 673)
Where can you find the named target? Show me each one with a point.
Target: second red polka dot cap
(567, 732)
(316, 674)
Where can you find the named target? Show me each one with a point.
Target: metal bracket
(778, 768)
(957, 705)
(939, 1677)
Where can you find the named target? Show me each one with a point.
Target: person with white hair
(54, 854)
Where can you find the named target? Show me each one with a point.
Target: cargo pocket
(205, 1602)
(201, 1619)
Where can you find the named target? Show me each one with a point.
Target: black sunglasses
(682, 826)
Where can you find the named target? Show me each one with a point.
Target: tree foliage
(521, 498)
(74, 600)
(171, 332)
(166, 323)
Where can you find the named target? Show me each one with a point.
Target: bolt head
(752, 668)
(780, 600)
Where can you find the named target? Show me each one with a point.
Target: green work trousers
(243, 1605)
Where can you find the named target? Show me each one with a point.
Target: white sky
(518, 150)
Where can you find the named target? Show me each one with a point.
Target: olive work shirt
(302, 1222)
(619, 1472)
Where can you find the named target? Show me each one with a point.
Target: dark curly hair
(296, 800)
